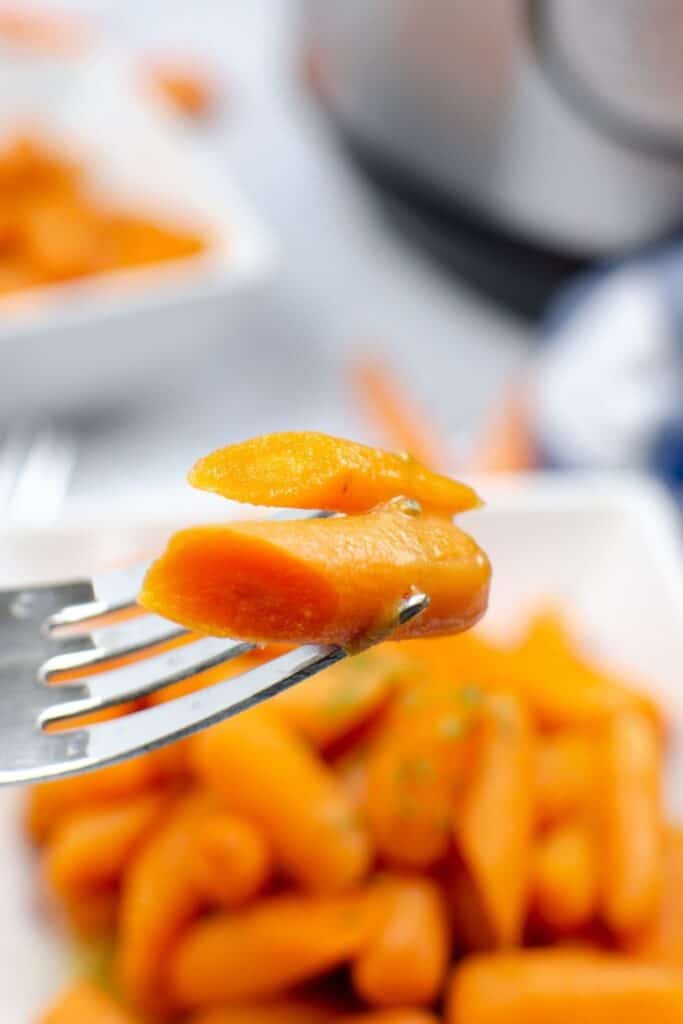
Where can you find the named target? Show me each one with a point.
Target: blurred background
(425, 224)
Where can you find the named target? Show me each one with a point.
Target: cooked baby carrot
(631, 821)
(309, 470)
(52, 802)
(416, 768)
(230, 860)
(555, 985)
(83, 1003)
(494, 824)
(404, 961)
(263, 950)
(561, 687)
(565, 877)
(93, 846)
(158, 900)
(661, 941)
(326, 708)
(396, 414)
(320, 581)
(272, 1011)
(262, 770)
(565, 773)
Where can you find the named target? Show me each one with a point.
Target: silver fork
(34, 649)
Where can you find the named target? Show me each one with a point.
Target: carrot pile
(447, 830)
(52, 229)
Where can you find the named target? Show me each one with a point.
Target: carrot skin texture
(231, 860)
(404, 962)
(631, 821)
(565, 877)
(316, 471)
(261, 770)
(543, 986)
(263, 950)
(334, 581)
(493, 828)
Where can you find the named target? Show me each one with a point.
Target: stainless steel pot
(560, 121)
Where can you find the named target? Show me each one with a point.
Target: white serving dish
(606, 550)
(100, 340)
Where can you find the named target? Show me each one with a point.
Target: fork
(46, 631)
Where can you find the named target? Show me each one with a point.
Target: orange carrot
(404, 962)
(553, 985)
(416, 769)
(631, 821)
(93, 846)
(91, 913)
(326, 708)
(562, 689)
(309, 470)
(51, 802)
(158, 901)
(494, 825)
(661, 941)
(83, 1003)
(565, 877)
(472, 925)
(334, 581)
(565, 772)
(263, 950)
(263, 771)
(230, 861)
(395, 413)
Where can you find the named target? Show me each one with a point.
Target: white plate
(76, 345)
(607, 550)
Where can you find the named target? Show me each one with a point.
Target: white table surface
(344, 277)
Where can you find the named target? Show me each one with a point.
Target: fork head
(33, 654)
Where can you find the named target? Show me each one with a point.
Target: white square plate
(608, 551)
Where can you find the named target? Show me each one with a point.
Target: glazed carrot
(404, 962)
(158, 901)
(565, 773)
(309, 470)
(263, 771)
(83, 1003)
(51, 802)
(396, 414)
(93, 846)
(631, 821)
(661, 941)
(280, 1011)
(494, 825)
(320, 581)
(565, 877)
(265, 949)
(326, 708)
(415, 772)
(556, 985)
(230, 861)
(562, 688)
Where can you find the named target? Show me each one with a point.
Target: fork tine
(142, 678)
(134, 636)
(143, 731)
